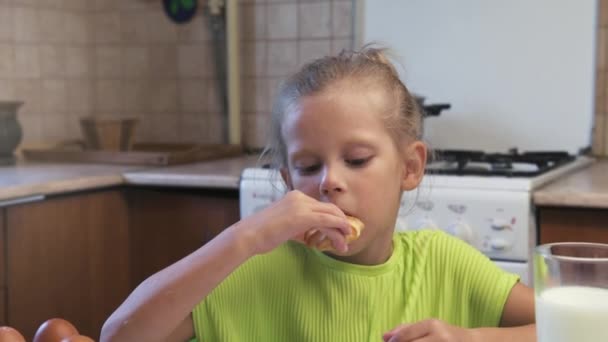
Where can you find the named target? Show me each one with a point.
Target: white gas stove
(484, 202)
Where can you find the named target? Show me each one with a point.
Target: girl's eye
(308, 169)
(358, 162)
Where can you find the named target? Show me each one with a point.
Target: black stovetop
(510, 164)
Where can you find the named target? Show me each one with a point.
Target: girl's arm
(517, 324)
(160, 303)
(159, 309)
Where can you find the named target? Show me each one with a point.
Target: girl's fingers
(323, 220)
(408, 332)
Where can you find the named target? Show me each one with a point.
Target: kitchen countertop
(29, 179)
(587, 187)
(224, 173)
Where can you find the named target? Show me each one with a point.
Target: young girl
(346, 137)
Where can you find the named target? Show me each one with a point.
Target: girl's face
(339, 151)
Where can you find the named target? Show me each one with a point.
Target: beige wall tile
(282, 58)
(163, 97)
(165, 128)
(6, 24)
(193, 128)
(137, 63)
(603, 20)
(255, 95)
(604, 135)
(80, 96)
(282, 21)
(341, 24)
(78, 62)
(214, 102)
(315, 20)
(7, 90)
(196, 30)
(310, 50)
(253, 21)
(134, 28)
(273, 89)
(258, 135)
(163, 61)
(54, 97)
(32, 128)
(215, 129)
(253, 58)
(78, 27)
(106, 4)
(108, 96)
(73, 129)
(30, 92)
(599, 134)
(193, 95)
(27, 61)
(135, 96)
(54, 128)
(52, 61)
(109, 62)
(7, 61)
(601, 48)
(193, 61)
(26, 25)
(107, 27)
(52, 25)
(77, 5)
(600, 94)
(160, 28)
(337, 45)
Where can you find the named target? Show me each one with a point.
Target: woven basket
(108, 134)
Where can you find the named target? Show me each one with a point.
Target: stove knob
(425, 223)
(461, 230)
(500, 224)
(499, 244)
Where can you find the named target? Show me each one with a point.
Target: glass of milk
(571, 286)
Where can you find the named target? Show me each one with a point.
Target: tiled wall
(278, 37)
(600, 132)
(110, 58)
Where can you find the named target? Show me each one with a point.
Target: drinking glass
(571, 290)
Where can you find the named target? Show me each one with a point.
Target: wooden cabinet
(67, 257)
(2, 270)
(167, 225)
(78, 256)
(573, 224)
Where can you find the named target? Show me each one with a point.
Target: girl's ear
(286, 177)
(414, 159)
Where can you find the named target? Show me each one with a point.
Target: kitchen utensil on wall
(180, 11)
(10, 131)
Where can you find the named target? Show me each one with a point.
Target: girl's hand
(290, 218)
(430, 330)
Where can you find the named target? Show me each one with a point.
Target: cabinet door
(67, 257)
(573, 224)
(167, 225)
(2, 270)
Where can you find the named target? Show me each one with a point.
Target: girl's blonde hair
(369, 65)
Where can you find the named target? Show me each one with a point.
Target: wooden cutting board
(141, 154)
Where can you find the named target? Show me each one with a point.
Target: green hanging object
(180, 11)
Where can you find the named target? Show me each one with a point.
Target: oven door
(520, 268)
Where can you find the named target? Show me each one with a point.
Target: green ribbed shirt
(299, 294)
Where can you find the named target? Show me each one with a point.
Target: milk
(572, 314)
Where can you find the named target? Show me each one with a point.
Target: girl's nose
(331, 182)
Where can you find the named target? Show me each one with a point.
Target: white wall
(518, 73)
